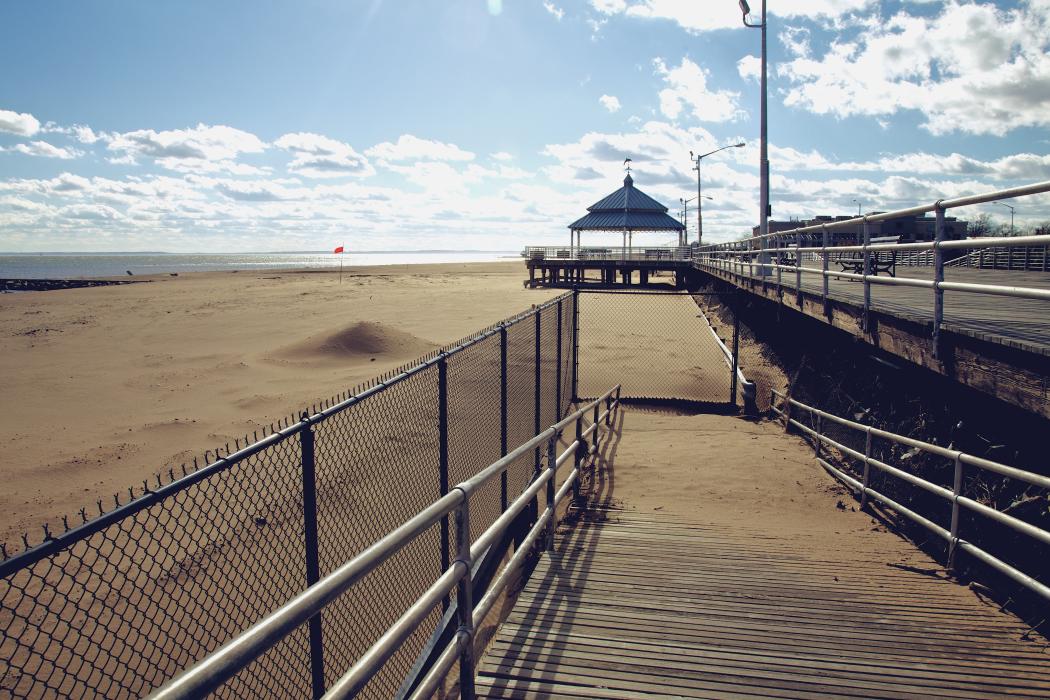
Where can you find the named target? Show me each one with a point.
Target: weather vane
(627, 166)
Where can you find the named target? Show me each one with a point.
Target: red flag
(338, 250)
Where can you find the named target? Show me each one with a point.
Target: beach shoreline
(107, 386)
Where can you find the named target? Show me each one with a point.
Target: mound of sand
(363, 340)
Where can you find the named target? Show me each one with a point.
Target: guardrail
(1026, 259)
(756, 258)
(630, 254)
(748, 391)
(955, 495)
(213, 671)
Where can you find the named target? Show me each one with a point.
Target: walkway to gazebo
(627, 210)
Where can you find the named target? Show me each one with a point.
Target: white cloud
(18, 123)
(320, 156)
(43, 149)
(696, 17)
(201, 142)
(687, 90)
(553, 9)
(502, 156)
(749, 67)
(972, 68)
(410, 148)
(610, 102)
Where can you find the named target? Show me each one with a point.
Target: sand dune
(366, 341)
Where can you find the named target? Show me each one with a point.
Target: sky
(491, 124)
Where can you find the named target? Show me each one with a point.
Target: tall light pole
(763, 155)
(1011, 216)
(685, 219)
(699, 196)
(857, 202)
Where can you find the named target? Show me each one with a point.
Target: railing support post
(597, 430)
(777, 260)
(825, 240)
(938, 278)
(798, 270)
(734, 370)
(867, 469)
(577, 458)
(313, 572)
(866, 321)
(503, 496)
(442, 366)
(552, 457)
(465, 601)
(953, 542)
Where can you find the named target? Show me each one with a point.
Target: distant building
(909, 228)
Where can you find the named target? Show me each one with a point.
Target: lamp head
(739, 145)
(691, 154)
(745, 8)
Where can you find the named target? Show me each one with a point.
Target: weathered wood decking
(644, 605)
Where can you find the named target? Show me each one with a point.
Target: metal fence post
(575, 344)
(938, 278)
(465, 601)
(442, 365)
(536, 413)
(866, 322)
(558, 409)
(313, 573)
(778, 259)
(736, 361)
(825, 239)
(552, 457)
(867, 469)
(953, 542)
(503, 498)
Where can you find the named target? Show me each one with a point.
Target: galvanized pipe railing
(210, 673)
(955, 495)
(748, 390)
(638, 253)
(751, 258)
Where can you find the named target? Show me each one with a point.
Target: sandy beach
(104, 387)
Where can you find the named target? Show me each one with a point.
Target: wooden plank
(638, 606)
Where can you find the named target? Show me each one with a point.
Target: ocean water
(72, 265)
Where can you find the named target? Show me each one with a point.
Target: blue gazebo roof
(627, 209)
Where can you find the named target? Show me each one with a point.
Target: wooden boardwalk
(646, 605)
(1020, 323)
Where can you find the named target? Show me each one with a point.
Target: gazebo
(628, 209)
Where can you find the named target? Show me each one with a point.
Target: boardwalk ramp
(768, 585)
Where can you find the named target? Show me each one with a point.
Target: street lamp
(699, 197)
(763, 156)
(1011, 215)
(857, 202)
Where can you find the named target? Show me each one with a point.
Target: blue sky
(202, 126)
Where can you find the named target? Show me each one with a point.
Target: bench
(878, 260)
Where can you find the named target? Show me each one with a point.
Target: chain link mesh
(656, 345)
(119, 611)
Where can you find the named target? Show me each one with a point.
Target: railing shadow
(549, 617)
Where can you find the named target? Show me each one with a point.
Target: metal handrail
(940, 204)
(214, 670)
(748, 390)
(953, 495)
(650, 253)
(755, 258)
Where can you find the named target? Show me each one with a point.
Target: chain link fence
(118, 604)
(657, 345)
